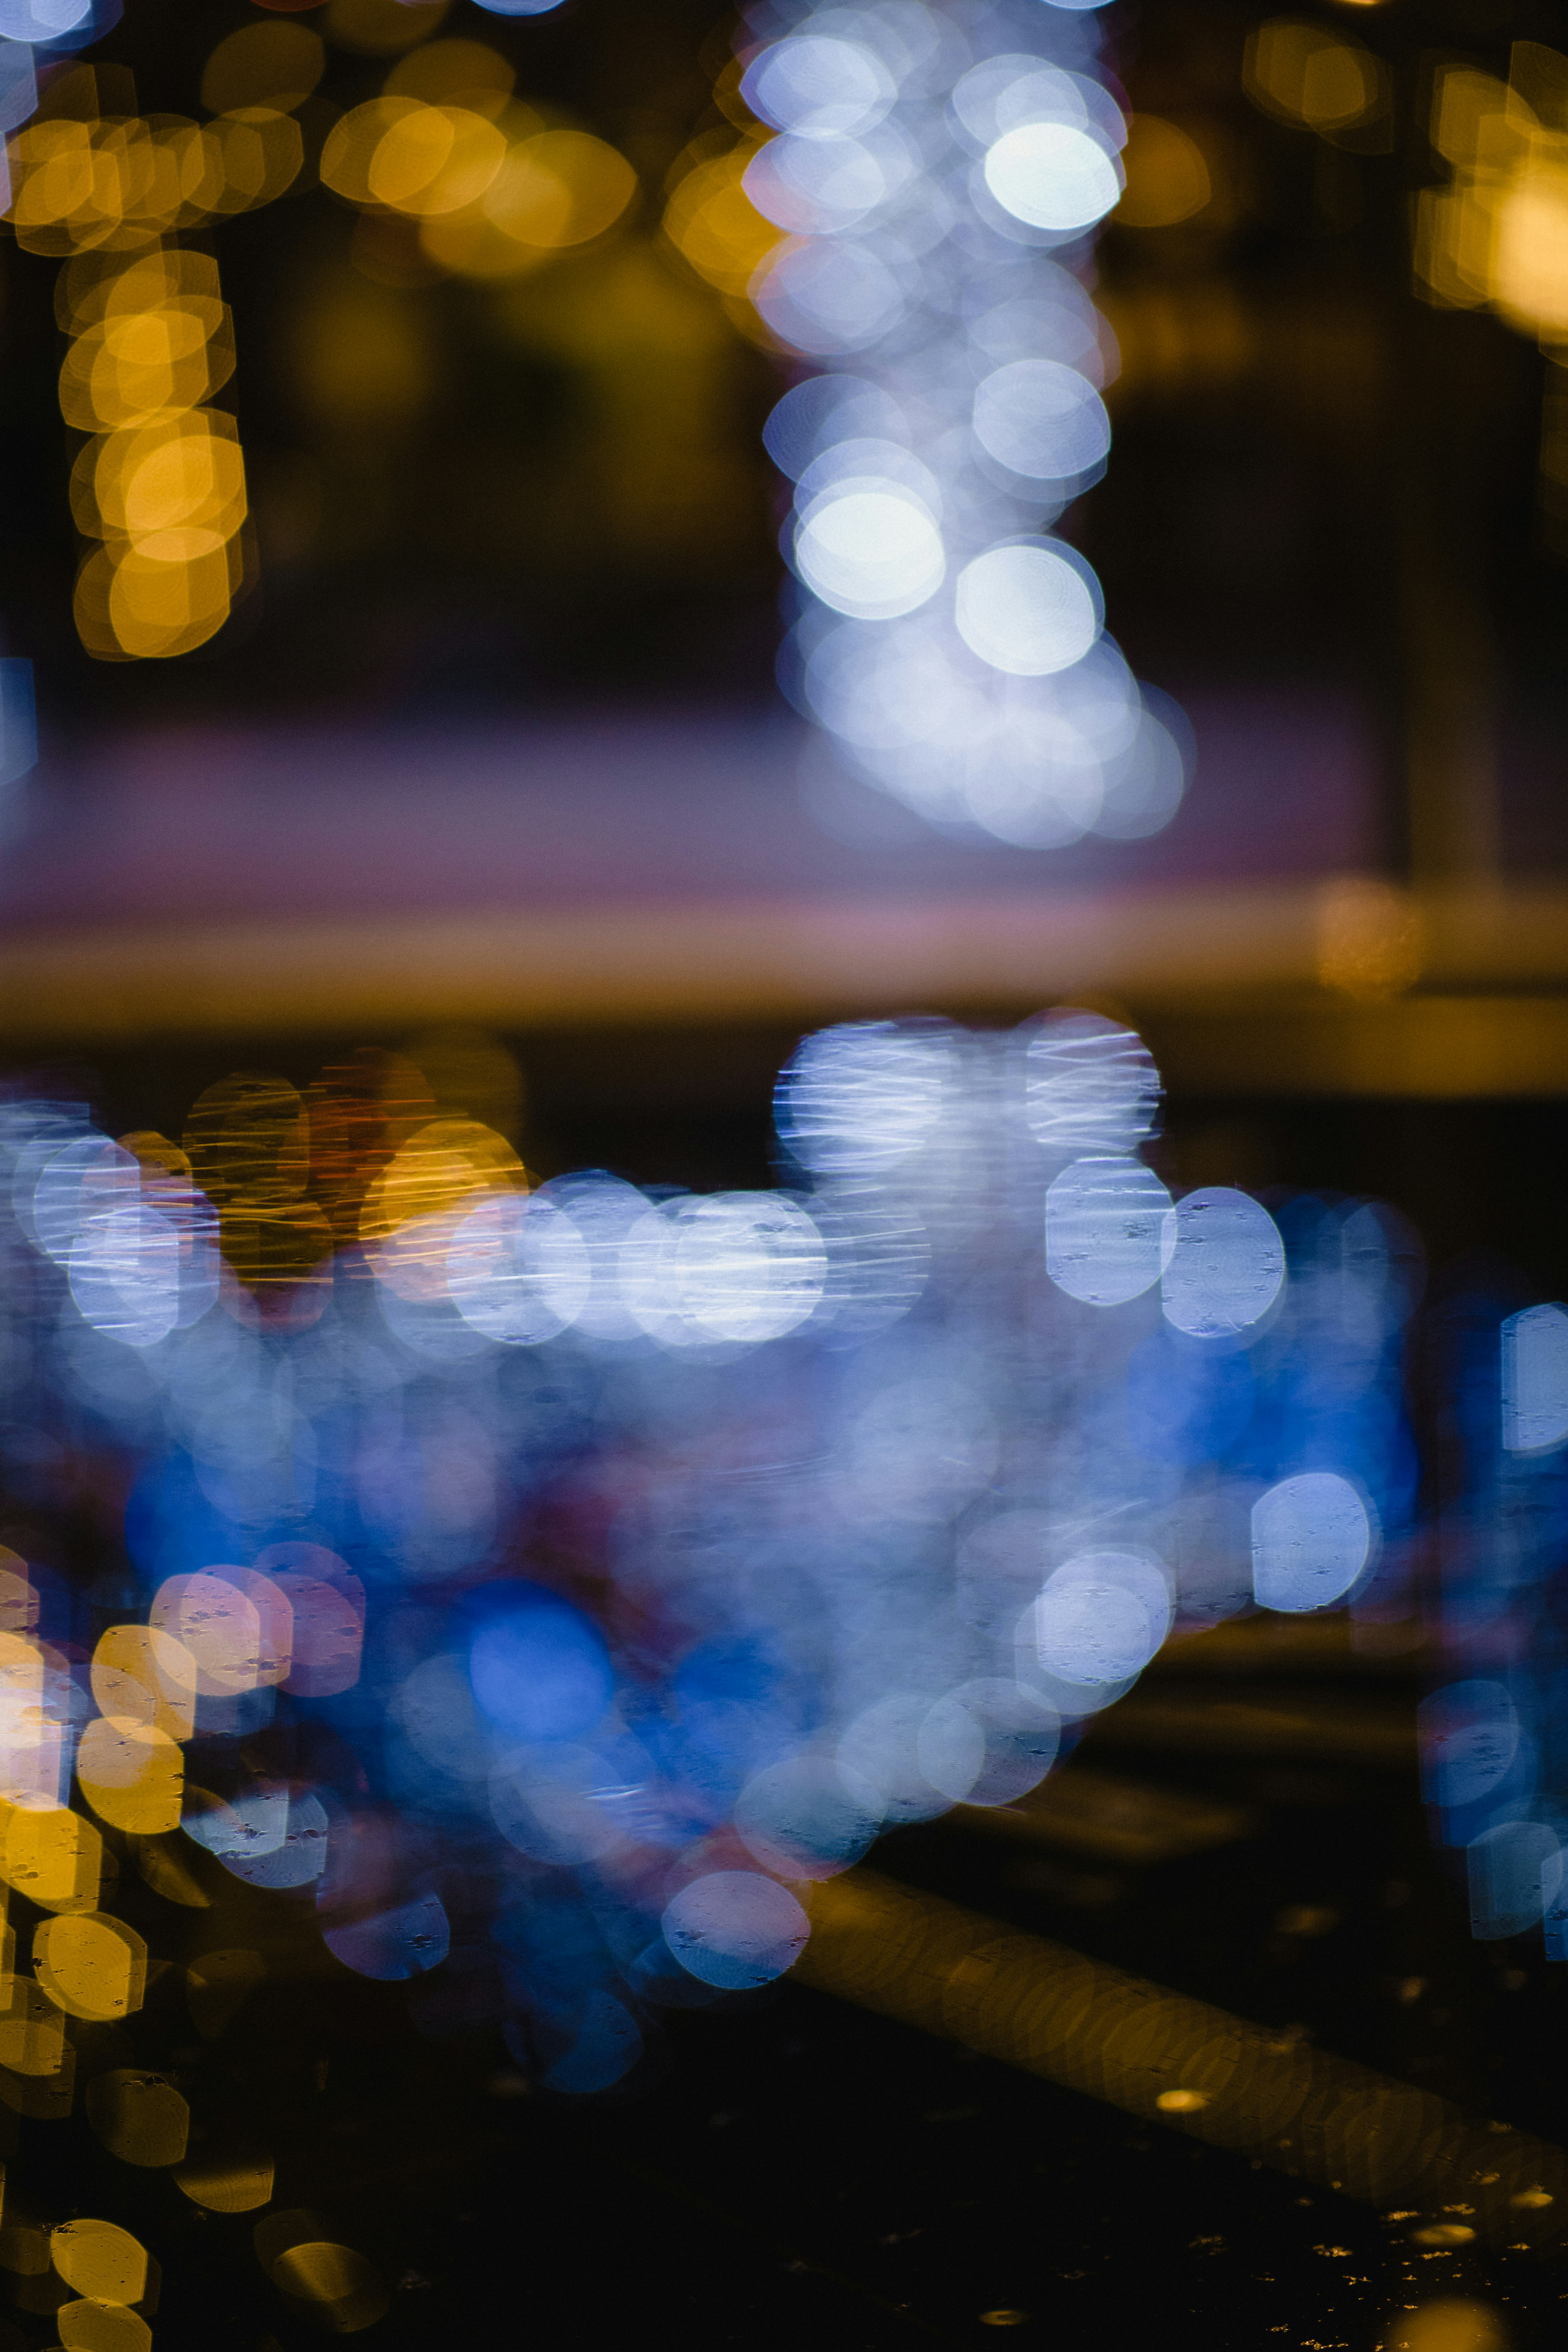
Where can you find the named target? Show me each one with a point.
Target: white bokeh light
(1028, 609)
(1052, 175)
(1535, 1380)
(518, 1270)
(1227, 1268)
(1101, 1617)
(819, 87)
(1311, 1538)
(870, 550)
(1042, 420)
(1110, 1231)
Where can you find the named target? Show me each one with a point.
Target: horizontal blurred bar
(1166, 2058)
(1080, 1811)
(1351, 1731)
(803, 961)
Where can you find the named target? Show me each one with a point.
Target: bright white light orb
(1029, 609)
(1110, 1231)
(872, 550)
(1227, 1266)
(1311, 1536)
(1052, 175)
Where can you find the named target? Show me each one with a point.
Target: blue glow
(540, 1668)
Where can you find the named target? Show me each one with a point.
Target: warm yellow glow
(94, 1967)
(380, 28)
(131, 1774)
(138, 2117)
(446, 1163)
(99, 2259)
(51, 1856)
(1167, 178)
(275, 64)
(1370, 940)
(143, 1676)
(714, 225)
(1306, 75)
(32, 2028)
(455, 73)
(226, 2184)
(437, 160)
(339, 2282)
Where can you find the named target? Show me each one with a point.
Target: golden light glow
(99, 2259)
(32, 2028)
(1370, 940)
(232, 2184)
(1497, 231)
(275, 64)
(713, 223)
(143, 1676)
(88, 2326)
(1322, 81)
(138, 2117)
(131, 1774)
(1167, 178)
(94, 1967)
(51, 1856)
(162, 480)
(455, 73)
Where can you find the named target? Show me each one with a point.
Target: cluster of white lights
(940, 174)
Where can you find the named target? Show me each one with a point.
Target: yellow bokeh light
(99, 2259)
(131, 1774)
(346, 2290)
(262, 152)
(145, 1675)
(437, 160)
(94, 1967)
(1167, 177)
(380, 28)
(51, 1856)
(555, 190)
(1370, 939)
(455, 73)
(184, 470)
(1305, 75)
(444, 1164)
(138, 2117)
(226, 2184)
(275, 64)
(152, 604)
(1528, 274)
(32, 2028)
(715, 226)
